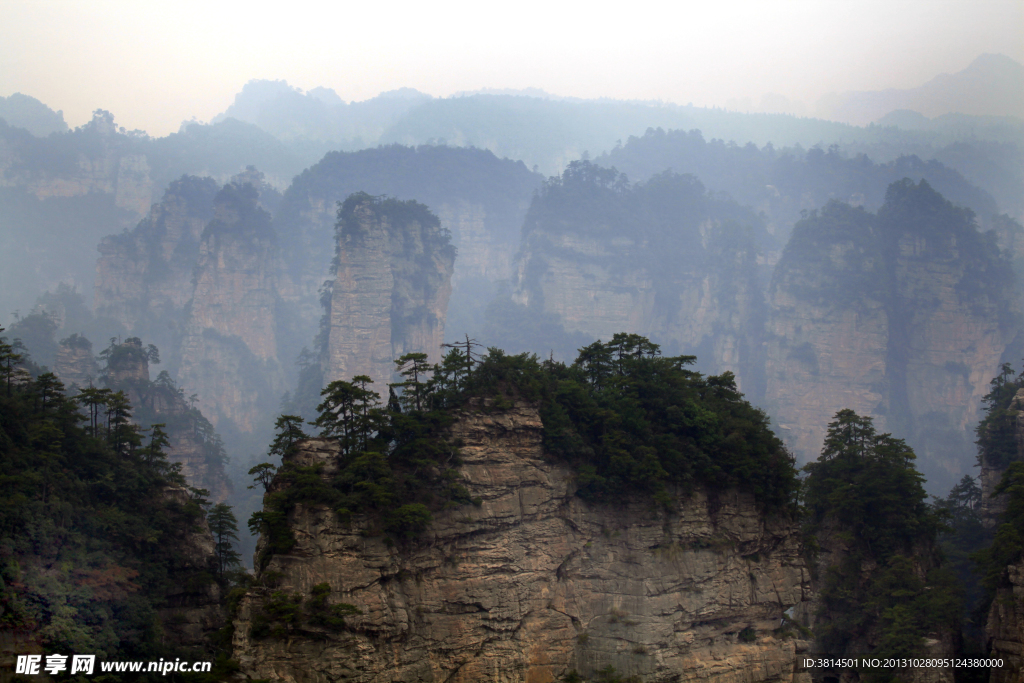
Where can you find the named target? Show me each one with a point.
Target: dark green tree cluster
(963, 537)
(1008, 545)
(997, 445)
(995, 549)
(886, 592)
(159, 401)
(91, 528)
(286, 615)
(629, 420)
(632, 420)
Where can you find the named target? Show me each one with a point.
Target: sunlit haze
(156, 64)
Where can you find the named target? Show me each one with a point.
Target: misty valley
(515, 389)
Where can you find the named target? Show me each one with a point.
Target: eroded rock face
(479, 198)
(143, 277)
(1005, 627)
(391, 288)
(75, 365)
(535, 582)
(104, 164)
(229, 347)
(903, 317)
(663, 260)
(602, 285)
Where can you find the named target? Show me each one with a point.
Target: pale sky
(155, 64)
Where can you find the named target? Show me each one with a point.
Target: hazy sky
(155, 64)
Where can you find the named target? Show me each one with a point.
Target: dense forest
(106, 549)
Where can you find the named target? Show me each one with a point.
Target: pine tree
(288, 433)
(224, 528)
(9, 359)
(415, 368)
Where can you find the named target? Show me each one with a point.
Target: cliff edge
(533, 583)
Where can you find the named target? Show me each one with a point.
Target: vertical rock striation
(1005, 626)
(143, 277)
(479, 198)
(391, 287)
(535, 583)
(75, 365)
(664, 260)
(229, 347)
(903, 316)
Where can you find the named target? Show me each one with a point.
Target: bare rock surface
(536, 582)
(1005, 627)
(390, 293)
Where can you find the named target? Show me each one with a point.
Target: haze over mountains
(525, 380)
(657, 219)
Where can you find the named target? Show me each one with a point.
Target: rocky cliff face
(903, 317)
(75, 365)
(391, 288)
(535, 583)
(697, 310)
(229, 349)
(101, 162)
(1005, 627)
(143, 277)
(478, 198)
(662, 260)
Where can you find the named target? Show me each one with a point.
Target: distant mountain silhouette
(22, 111)
(992, 85)
(320, 114)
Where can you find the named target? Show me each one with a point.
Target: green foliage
(408, 520)
(1008, 545)
(997, 445)
(963, 537)
(91, 524)
(286, 614)
(325, 615)
(224, 528)
(277, 617)
(867, 484)
(629, 420)
(864, 488)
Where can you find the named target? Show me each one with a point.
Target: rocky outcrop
(993, 506)
(696, 310)
(662, 260)
(75, 365)
(1005, 627)
(193, 443)
(534, 582)
(229, 349)
(485, 253)
(143, 277)
(479, 199)
(828, 332)
(390, 293)
(903, 316)
(101, 162)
